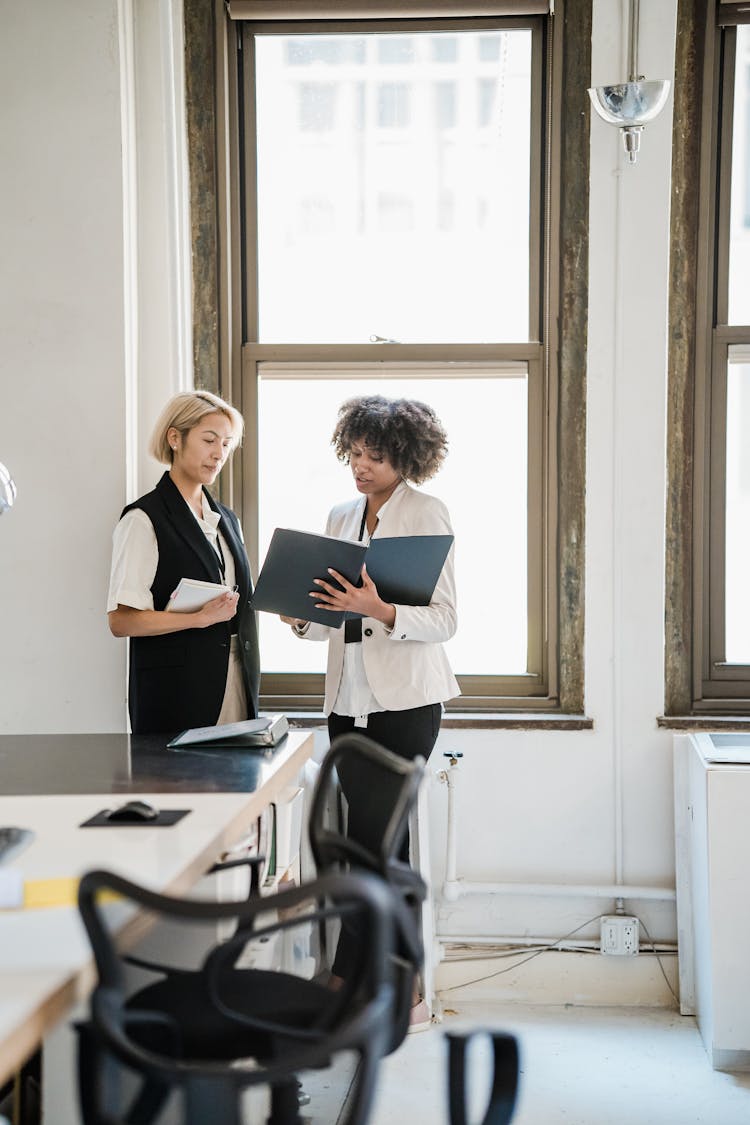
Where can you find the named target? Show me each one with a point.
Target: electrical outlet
(619, 935)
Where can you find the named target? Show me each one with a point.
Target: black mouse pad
(165, 818)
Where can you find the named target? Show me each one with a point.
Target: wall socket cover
(619, 935)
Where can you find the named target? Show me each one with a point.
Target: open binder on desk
(262, 734)
(404, 568)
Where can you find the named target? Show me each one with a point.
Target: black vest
(177, 680)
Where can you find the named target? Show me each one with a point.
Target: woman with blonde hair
(198, 668)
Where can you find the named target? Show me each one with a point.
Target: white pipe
(450, 872)
(563, 890)
(618, 536)
(448, 776)
(492, 940)
(454, 888)
(507, 942)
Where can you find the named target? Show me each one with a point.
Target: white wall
(94, 329)
(62, 346)
(77, 329)
(596, 807)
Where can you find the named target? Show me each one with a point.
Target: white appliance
(712, 854)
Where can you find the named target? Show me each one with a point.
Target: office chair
(505, 1068)
(254, 862)
(225, 1027)
(378, 848)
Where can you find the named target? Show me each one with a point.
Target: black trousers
(407, 733)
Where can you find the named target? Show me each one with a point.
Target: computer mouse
(133, 812)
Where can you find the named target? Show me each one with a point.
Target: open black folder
(405, 570)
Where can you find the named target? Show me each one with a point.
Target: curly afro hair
(407, 432)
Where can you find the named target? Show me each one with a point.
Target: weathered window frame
(698, 679)
(230, 364)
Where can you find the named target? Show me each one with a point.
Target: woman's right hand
(125, 621)
(218, 609)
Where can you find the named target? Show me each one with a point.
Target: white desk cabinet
(712, 826)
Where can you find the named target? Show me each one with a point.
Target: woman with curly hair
(387, 673)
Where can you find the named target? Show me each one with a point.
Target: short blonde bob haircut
(183, 412)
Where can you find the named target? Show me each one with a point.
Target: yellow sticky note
(41, 893)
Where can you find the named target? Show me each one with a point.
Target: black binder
(404, 568)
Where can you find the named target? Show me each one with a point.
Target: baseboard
(554, 977)
(730, 1060)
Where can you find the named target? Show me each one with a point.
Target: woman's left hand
(362, 599)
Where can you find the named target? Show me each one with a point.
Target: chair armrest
(252, 861)
(242, 861)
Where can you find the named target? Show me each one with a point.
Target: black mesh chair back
(378, 846)
(229, 1024)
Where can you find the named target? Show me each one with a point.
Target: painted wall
(595, 807)
(93, 337)
(62, 380)
(94, 330)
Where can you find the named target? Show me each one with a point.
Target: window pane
(738, 508)
(445, 104)
(444, 48)
(483, 483)
(316, 106)
(394, 105)
(739, 222)
(395, 49)
(412, 153)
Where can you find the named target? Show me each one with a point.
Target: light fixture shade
(7, 490)
(630, 103)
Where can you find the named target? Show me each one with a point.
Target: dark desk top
(44, 764)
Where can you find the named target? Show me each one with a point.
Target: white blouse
(135, 556)
(355, 696)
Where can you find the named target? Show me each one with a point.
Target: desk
(52, 783)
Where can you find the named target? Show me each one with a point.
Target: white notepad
(191, 594)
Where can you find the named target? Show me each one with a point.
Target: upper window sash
(538, 243)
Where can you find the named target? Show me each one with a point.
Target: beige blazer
(406, 667)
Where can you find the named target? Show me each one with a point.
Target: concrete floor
(579, 1066)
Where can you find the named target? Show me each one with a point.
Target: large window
(718, 676)
(397, 203)
(726, 672)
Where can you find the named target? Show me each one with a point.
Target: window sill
(459, 720)
(704, 722)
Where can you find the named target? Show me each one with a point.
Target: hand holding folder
(193, 593)
(405, 570)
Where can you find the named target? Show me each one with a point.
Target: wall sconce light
(632, 104)
(7, 489)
